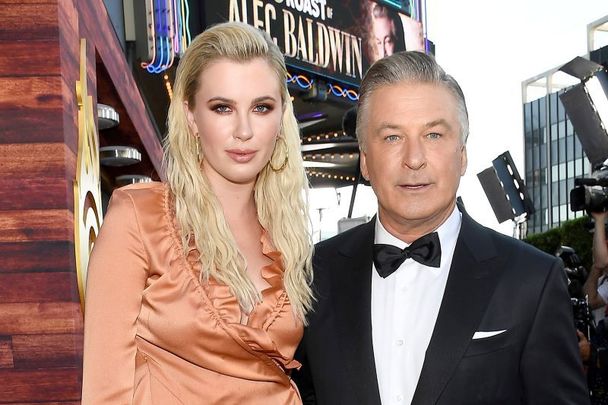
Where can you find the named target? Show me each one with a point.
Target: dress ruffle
(224, 306)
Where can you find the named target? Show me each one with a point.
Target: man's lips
(241, 155)
(414, 186)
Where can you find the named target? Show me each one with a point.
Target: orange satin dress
(155, 335)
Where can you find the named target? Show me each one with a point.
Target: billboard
(338, 39)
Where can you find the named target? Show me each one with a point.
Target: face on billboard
(390, 31)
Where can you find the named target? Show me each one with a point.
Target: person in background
(596, 285)
(198, 287)
(423, 305)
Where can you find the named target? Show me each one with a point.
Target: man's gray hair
(412, 66)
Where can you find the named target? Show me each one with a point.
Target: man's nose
(413, 154)
(243, 130)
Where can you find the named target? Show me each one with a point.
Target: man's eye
(433, 135)
(391, 138)
(221, 108)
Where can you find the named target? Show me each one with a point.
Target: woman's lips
(241, 155)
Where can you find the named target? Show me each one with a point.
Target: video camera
(591, 193)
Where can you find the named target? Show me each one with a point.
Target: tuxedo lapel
(353, 305)
(473, 274)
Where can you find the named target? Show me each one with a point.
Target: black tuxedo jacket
(495, 283)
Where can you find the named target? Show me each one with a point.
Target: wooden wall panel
(37, 287)
(22, 21)
(39, 385)
(41, 324)
(35, 193)
(40, 318)
(40, 315)
(42, 351)
(30, 58)
(36, 160)
(36, 225)
(6, 352)
(41, 256)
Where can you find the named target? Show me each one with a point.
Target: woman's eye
(262, 108)
(221, 108)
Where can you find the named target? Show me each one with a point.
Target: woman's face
(237, 117)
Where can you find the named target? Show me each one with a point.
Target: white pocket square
(484, 335)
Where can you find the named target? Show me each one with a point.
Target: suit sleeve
(551, 367)
(117, 275)
(303, 378)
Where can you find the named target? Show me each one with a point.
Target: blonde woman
(198, 288)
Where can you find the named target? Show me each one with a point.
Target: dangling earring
(199, 154)
(284, 164)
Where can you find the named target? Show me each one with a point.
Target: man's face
(384, 35)
(414, 155)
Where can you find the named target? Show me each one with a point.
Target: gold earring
(280, 168)
(199, 154)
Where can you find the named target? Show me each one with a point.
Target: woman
(198, 288)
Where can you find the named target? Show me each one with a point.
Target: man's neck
(408, 230)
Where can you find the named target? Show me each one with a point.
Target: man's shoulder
(347, 238)
(510, 247)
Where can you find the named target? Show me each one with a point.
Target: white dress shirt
(404, 311)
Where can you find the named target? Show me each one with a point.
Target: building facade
(554, 156)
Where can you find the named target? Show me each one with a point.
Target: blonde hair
(281, 197)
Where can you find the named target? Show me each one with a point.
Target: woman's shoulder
(138, 191)
(144, 197)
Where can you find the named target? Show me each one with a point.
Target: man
(464, 315)
(385, 31)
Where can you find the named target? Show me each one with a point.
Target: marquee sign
(332, 38)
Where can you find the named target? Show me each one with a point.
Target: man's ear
(363, 164)
(190, 117)
(463, 160)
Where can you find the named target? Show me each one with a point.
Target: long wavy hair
(281, 197)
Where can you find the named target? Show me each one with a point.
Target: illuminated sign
(337, 39)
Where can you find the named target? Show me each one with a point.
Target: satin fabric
(154, 334)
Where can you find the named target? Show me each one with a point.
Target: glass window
(554, 195)
(554, 172)
(569, 128)
(543, 111)
(561, 150)
(561, 129)
(553, 151)
(563, 194)
(555, 216)
(563, 213)
(578, 148)
(553, 100)
(561, 112)
(528, 118)
(569, 168)
(570, 147)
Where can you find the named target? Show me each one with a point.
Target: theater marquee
(329, 38)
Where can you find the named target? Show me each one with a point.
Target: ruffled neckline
(223, 305)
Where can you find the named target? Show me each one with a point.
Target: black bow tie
(425, 250)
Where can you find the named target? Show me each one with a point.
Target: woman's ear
(190, 118)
